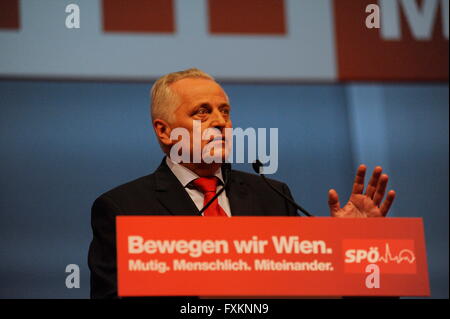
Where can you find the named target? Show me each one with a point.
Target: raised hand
(364, 205)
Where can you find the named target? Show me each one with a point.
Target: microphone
(257, 168)
(226, 171)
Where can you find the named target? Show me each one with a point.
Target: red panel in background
(247, 17)
(9, 14)
(138, 16)
(362, 54)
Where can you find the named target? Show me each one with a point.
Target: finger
(372, 186)
(358, 184)
(333, 201)
(381, 189)
(387, 202)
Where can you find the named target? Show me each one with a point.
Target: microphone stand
(226, 169)
(257, 168)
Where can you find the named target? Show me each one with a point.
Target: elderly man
(179, 100)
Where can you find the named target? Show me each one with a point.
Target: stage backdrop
(65, 143)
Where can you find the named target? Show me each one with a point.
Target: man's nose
(218, 120)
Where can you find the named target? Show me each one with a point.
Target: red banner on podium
(270, 256)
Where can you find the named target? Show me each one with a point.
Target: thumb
(333, 202)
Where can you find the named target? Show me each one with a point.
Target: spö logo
(395, 256)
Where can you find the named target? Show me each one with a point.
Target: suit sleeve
(290, 209)
(102, 251)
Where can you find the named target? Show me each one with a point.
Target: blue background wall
(64, 143)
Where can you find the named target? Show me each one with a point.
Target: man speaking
(191, 100)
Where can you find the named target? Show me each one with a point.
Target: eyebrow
(209, 105)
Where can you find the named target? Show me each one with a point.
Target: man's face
(205, 101)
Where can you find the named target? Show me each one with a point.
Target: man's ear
(162, 130)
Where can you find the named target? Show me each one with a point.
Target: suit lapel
(171, 194)
(240, 197)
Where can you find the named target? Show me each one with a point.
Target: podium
(270, 256)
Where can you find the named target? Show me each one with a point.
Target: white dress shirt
(185, 176)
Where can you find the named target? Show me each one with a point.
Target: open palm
(364, 205)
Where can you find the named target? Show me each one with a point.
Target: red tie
(208, 185)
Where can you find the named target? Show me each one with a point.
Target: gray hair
(163, 100)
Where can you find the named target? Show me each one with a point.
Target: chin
(215, 159)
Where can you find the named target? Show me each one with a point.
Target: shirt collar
(185, 175)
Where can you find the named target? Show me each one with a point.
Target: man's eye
(226, 111)
(202, 111)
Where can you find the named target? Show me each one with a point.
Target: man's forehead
(198, 88)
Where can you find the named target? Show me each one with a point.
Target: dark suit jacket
(161, 193)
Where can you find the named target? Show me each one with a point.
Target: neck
(202, 169)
